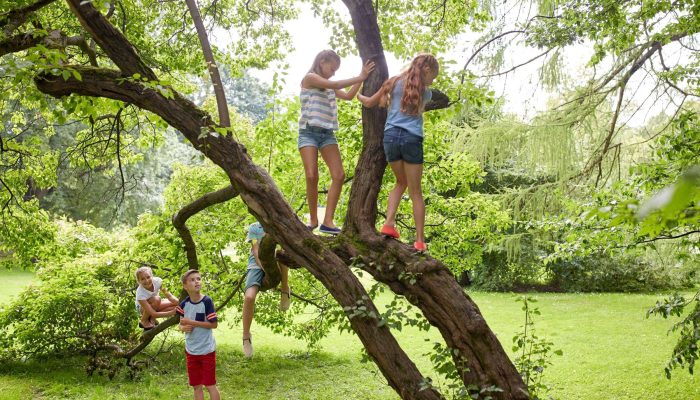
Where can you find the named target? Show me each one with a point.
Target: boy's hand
(186, 328)
(367, 68)
(186, 321)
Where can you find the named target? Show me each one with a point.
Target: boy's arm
(199, 324)
(180, 312)
(210, 312)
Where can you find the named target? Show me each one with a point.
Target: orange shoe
(389, 231)
(420, 246)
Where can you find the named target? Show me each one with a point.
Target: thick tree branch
(54, 40)
(362, 207)
(180, 219)
(438, 101)
(18, 43)
(224, 119)
(111, 40)
(13, 19)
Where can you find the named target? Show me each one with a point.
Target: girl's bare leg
(414, 175)
(397, 167)
(331, 155)
(309, 157)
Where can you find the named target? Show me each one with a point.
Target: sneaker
(285, 301)
(247, 348)
(311, 227)
(329, 230)
(420, 246)
(389, 231)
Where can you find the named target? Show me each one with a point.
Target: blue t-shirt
(395, 118)
(201, 340)
(255, 232)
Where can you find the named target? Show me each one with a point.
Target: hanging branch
(224, 119)
(181, 217)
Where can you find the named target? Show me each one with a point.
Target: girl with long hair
(405, 96)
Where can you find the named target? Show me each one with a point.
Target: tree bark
(435, 291)
(180, 219)
(362, 206)
(224, 118)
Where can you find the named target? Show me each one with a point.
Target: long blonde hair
(323, 55)
(412, 98)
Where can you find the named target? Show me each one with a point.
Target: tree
(424, 281)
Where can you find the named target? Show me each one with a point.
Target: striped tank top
(318, 108)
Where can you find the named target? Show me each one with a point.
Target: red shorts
(201, 369)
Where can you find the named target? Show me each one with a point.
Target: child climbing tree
(424, 281)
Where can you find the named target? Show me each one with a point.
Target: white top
(144, 294)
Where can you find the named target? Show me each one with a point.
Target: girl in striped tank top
(317, 126)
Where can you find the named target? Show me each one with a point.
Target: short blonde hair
(141, 270)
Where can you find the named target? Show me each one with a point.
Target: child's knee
(415, 192)
(311, 176)
(338, 176)
(250, 296)
(154, 301)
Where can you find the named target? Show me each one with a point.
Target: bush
(77, 307)
(626, 272)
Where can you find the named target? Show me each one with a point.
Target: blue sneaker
(329, 230)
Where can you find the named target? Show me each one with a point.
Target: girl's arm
(342, 94)
(169, 295)
(312, 80)
(146, 306)
(372, 101)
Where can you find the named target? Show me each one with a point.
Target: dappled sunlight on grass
(611, 351)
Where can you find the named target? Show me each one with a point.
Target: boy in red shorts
(197, 319)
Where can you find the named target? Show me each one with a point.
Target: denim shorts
(316, 137)
(399, 144)
(254, 277)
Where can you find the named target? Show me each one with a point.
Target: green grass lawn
(611, 351)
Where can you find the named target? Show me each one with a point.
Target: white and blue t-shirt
(395, 118)
(201, 340)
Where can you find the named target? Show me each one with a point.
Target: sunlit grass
(611, 351)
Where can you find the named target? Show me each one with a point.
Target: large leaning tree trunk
(434, 290)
